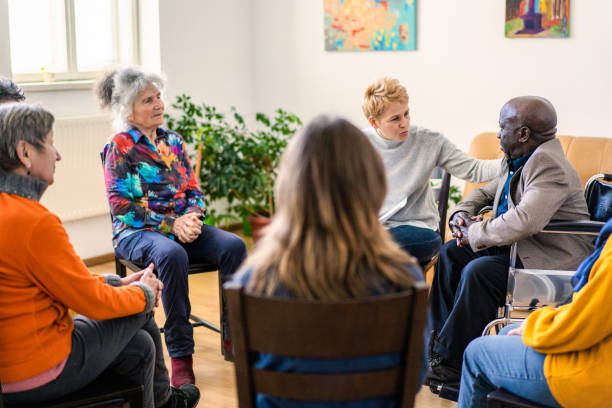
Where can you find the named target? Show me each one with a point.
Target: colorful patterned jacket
(149, 186)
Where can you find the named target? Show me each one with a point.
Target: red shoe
(182, 371)
(228, 350)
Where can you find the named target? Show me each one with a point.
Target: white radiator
(78, 191)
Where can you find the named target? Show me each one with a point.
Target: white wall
(462, 72)
(205, 51)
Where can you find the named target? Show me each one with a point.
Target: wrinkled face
(394, 123)
(43, 161)
(148, 110)
(509, 131)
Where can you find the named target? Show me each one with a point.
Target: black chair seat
(501, 398)
(108, 390)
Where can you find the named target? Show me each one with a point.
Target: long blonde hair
(325, 242)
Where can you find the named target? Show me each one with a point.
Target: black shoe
(443, 374)
(187, 396)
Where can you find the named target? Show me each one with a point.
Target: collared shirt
(513, 166)
(149, 186)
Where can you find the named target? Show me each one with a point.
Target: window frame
(72, 73)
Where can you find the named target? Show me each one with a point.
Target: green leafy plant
(234, 163)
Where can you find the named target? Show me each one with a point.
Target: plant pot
(257, 226)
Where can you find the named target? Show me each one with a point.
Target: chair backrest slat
(329, 387)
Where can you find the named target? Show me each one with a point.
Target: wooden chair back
(345, 329)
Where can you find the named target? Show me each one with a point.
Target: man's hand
(187, 227)
(460, 223)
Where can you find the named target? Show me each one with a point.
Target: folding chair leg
(197, 322)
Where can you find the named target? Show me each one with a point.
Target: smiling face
(148, 111)
(43, 160)
(394, 123)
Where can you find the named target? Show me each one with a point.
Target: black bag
(598, 194)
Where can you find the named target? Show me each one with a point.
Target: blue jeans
(422, 243)
(171, 260)
(129, 346)
(503, 361)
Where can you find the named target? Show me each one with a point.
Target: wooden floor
(214, 375)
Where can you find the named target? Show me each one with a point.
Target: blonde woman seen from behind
(325, 242)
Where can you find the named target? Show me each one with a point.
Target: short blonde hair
(380, 94)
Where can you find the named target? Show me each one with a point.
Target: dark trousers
(171, 260)
(130, 346)
(467, 289)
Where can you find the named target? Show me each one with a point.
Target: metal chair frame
(515, 300)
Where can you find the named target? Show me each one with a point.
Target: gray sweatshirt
(409, 166)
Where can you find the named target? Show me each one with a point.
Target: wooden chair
(108, 390)
(344, 329)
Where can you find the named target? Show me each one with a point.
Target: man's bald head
(525, 123)
(538, 114)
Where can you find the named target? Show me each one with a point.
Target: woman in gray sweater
(410, 154)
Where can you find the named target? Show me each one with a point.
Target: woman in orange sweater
(45, 353)
(559, 356)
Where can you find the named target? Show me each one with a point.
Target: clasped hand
(146, 277)
(187, 227)
(460, 223)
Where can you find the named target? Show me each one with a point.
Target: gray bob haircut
(118, 90)
(21, 122)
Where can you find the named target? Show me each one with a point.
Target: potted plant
(233, 163)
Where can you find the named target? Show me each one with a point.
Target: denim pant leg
(501, 361)
(422, 243)
(171, 266)
(126, 346)
(480, 291)
(221, 248)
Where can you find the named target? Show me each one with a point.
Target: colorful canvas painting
(537, 18)
(370, 25)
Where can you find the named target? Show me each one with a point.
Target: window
(71, 39)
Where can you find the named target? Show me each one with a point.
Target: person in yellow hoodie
(558, 356)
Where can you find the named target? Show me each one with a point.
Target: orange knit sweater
(40, 278)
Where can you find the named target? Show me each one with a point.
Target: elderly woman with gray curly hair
(45, 352)
(157, 207)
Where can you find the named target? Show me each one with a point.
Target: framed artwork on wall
(370, 25)
(537, 18)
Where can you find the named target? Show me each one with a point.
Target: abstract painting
(537, 18)
(370, 25)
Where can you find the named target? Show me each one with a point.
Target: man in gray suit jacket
(536, 185)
